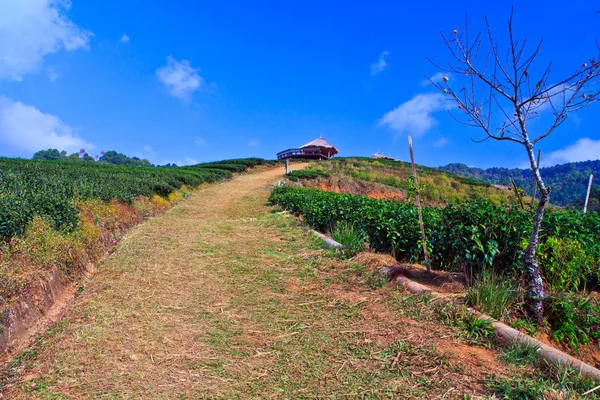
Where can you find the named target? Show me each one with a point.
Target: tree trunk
(533, 279)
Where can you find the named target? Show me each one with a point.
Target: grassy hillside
(389, 179)
(568, 181)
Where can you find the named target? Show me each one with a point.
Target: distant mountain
(568, 181)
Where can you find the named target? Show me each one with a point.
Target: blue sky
(187, 82)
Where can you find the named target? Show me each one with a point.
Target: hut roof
(320, 142)
(378, 155)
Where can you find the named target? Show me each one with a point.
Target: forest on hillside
(106, 157)
(568, 181)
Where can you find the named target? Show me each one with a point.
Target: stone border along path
(223, 298)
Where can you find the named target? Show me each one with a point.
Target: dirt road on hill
(223, 298)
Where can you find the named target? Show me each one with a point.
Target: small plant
(526, 325)
(377, 280)
(354, 240)
(520, 353)
(568, 379)
(494, 295)
(517, 389)
(412, 188)
(25, 356)
(475, 328)
(534, 388)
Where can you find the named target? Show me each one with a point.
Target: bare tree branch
(503, 92)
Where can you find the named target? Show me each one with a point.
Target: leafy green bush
(50, 189)
(305, 174)
(472, 236)
(233, 167)
(566, 264)
(574, 319)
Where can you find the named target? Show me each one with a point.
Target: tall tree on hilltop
(501, 96)
(50, 155)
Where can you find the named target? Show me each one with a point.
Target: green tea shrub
(297, 175)
(49, 189)
(566, 265)
(573, 318)
(470, 236)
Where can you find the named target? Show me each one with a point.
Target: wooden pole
(534, 181)
(517, 194)
(587, 197)
(418, 201)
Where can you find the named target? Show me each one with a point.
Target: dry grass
(223, 298)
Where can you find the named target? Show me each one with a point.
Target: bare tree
(500, 96)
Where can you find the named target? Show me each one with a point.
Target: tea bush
(50, 189)
(305, 174)
(472, 236)
(573, 318)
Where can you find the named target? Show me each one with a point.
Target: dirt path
(222, 298)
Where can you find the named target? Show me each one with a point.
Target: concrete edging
(328, 241)
(507, 335)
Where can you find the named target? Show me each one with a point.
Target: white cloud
(181, 162)
(200, 142)
(180, 78)
(380, 64)
(582, 150)
(254, 143)
(441, 142)
(124, 39)
(189, 161)
(52, 74)
(31, 29)
(148, 149)
(27, 129)
(414, 116)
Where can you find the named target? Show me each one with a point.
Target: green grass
(376, 280)
(476, 329)
(439, 187)
(353, 239)
(309, 173)
(494, 295)
(554, 382)
(520, 353)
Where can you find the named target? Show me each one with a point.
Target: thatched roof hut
(318, 149)
(380, 156)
